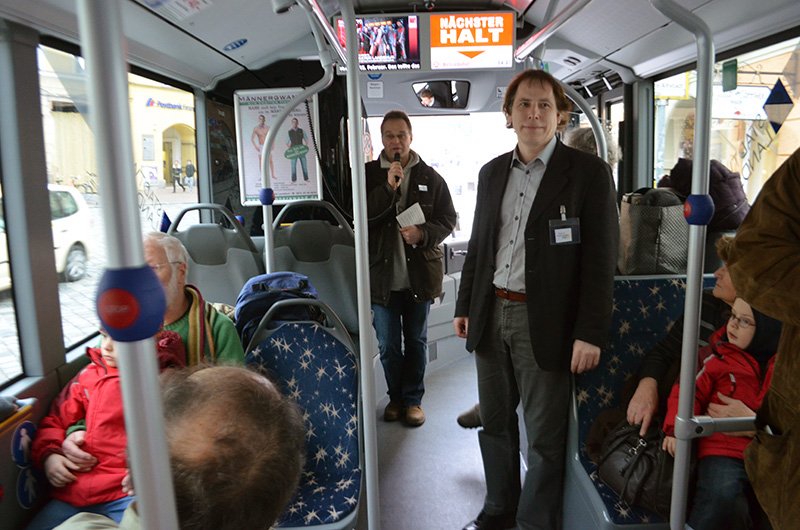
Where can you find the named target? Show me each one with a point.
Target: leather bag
(654, 236)
(636, 468)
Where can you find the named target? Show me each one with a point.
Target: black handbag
(636, 468)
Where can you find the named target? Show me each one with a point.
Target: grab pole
(130, 299)
(266, 194)
(698, 210)
(355, 129)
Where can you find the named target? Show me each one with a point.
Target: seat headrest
(311, 241)
(207, 244)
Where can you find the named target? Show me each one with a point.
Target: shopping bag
(654, 236)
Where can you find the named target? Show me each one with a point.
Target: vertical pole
(697, 236)
(355, 128)
(103, 48)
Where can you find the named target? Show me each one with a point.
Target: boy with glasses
(737, 364)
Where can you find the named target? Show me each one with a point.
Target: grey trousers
(507, 375)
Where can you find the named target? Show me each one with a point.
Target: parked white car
(70, 222)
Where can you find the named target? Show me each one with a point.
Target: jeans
(303, 164)
(403, 365)
(56, 512)
(721, 496)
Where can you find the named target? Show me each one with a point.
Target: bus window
(10, 360)
(478, 138)
(162, 130)
(742, 136)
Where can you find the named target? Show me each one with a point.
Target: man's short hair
(563, 103)
(171, 245)
(236, 447)
(396, 115)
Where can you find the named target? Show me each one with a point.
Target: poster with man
(292, 163)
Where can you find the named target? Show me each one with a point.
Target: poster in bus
(292, 163)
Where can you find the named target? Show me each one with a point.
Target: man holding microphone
(405, 261)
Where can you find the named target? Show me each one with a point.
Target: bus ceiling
(203, 43)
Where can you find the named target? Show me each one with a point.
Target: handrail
(362, 268)
(527, 47)
(323, 83)
(330, 34)
(684, 427)
(594, 121)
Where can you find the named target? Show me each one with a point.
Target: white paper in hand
(411, 216)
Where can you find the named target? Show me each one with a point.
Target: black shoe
(484, 521)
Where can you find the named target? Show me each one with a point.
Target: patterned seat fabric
(644, 310)
(320, 373)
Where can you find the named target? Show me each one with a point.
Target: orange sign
(467, 41)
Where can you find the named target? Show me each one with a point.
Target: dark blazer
(569, 287)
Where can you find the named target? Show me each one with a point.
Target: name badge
(423, 187)
(565, 231)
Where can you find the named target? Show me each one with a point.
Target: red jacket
(733, 372)
(95, 395)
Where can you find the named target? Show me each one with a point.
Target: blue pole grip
(698, 209)
(130, 303)
(266, 196)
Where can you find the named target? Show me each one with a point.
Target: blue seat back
(315, 365)
(644, 310)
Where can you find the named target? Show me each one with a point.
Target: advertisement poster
(294, 172)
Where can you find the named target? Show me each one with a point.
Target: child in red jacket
(94, 395)
(738, 366)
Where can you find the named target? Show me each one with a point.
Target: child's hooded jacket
(95, 395)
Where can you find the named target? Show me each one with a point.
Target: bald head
(236, 446)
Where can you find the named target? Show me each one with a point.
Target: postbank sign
(467, 41)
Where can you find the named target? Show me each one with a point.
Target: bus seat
(221, 259)
(315, 364)
(644, 309)
(322, 251)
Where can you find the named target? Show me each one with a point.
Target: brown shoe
(470, 419)
(393, 411)
(415, 416)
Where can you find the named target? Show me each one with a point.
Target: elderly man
(208, 334)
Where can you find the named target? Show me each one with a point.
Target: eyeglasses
(157, 267)
(742, 322)
(390, 137)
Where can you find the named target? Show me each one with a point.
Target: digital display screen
(465, 41)
(386, 43)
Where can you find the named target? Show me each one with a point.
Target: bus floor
(431, 477)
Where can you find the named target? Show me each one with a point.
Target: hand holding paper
(408, 220)
(411, 216)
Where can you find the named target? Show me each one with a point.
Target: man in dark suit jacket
(535, 299)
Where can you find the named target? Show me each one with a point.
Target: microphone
(397, 159)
